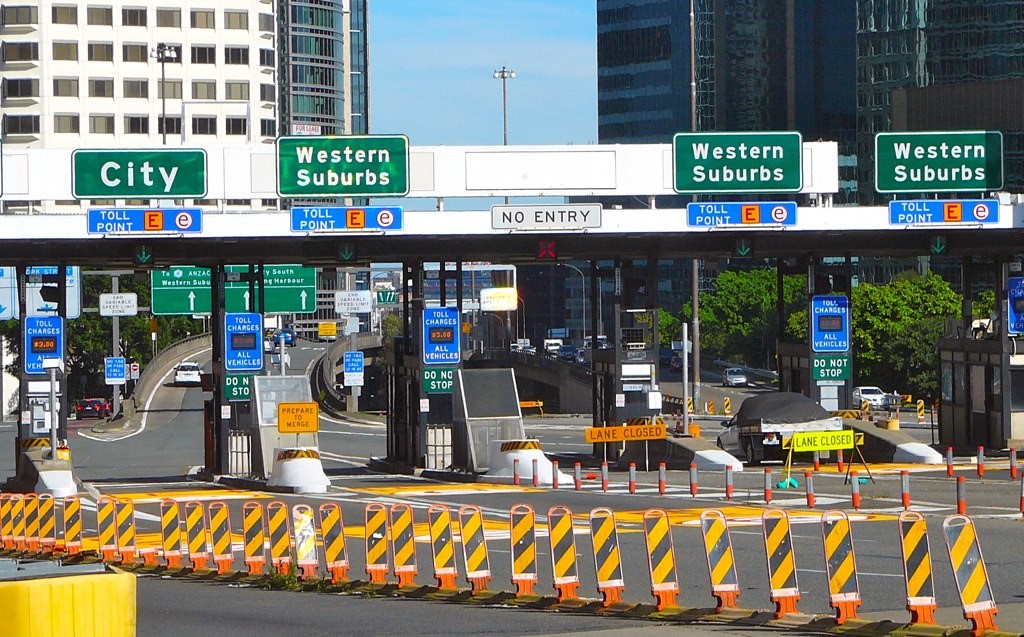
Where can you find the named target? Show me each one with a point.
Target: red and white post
(905, 489)
(536, 473)
(661, 478)
(961, 495)
(604, 476)
(554, 474)
(577, 476)
(981, 463)
(693, 479)
(767, 485)
(855, 490)
(728, 483)
(515, 471)
(632, 477)
(1013, 463)
(809, 479)
(949, 462)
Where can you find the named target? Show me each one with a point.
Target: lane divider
(474, 546)
(976, 599)
(522, 523)
(170, 533)
(661, 559)
(220, 534)
(124, 513)
(607, 559)
(254, 538)
(442, 546)
(32, 522)
(47, 525)
(563, 553)
(305, 542)
(783, 589)
(332, 530)
(917, 568)
(725, 586)
(72, 521)
(376, 535)
(195, 535)
(106, 529)
(403, 544)
(840, 565)
(280, 537)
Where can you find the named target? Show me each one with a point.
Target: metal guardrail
(752, 371)
(155, 369)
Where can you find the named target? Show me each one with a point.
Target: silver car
(734, 377)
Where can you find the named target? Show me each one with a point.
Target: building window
(266, 57)
(21, 88)
(204, 125)
(236, 90)
(21, 51)
(168, 18)
(136, 88)
(65, 15)
(203, 19)
(101, 124)
(65, 87)
(169, 89)
(101, 16)
(101, 87)
(66, 123)
(170, 124)
(204, 54)
(236, 20)
(268, 92)
(133, 17)
(238, 202)
(13, 16)
(204, 90)
(267, 22)
(268, 128)
(136, 124)
(134, 53)
(65, 51)
(21, 124)
(236, 125)
(101, 52)
(236, 55)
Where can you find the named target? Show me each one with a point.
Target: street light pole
(164, 53)
(504, 75)
(583, 293)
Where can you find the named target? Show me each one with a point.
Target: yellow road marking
(151, 497)
(443, 489)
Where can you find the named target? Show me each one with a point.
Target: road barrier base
(846, 610)
(726, 599)
(922, 613)
(785, 605)
(981, 621)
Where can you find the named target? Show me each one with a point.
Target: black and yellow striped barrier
(474, 548)
(280, 537)
(917, 568)
(920, 412)
(47, 524)
(293, 454)
(376, 542)
(195, 535)
(305, 541)
(522, 523)
(33, 443)
(403, 544)
(607, 558)
(853, 414)
(332, 530)
(170, 532)
(783, 589)
(725, 585)
(563, 553)
(727, 406)
(106, 529)
(220, 536)
(6, 521)
(254, 538)
(32, 522)
(124, 513)
(18, 521)
(72, 521)
(979, 605)
(840, 565)
(520, 445)
(442, 546)
(661, 559)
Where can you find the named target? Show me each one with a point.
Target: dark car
(92, 408)
(288, 334)
(567, 353)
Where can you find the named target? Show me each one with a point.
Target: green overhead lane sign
(343, 166)
(737, 162)
(955, 161)
(287, 289)
(138, 174)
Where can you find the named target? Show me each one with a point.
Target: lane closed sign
(625, 434)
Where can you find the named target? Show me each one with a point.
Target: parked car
(188, 373)
(875, 397)
(757, 430)
(734, 377)
(92, 408)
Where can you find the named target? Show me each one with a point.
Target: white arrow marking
(191, 301)
(245, 298)
(302, 296)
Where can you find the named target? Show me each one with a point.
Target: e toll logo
(153, 220)
(952, 211)
(750, 213)
(355, 218)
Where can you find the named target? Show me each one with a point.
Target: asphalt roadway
(152, 463)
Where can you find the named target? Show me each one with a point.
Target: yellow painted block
(93, 605)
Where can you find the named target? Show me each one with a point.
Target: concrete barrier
(502, 456)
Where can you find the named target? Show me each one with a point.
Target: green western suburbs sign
(345, 166)
(138, 174)
(959, 161)
(737, 162)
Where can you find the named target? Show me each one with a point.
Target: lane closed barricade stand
(840, 565)
(220, 534)
(607, 558)
(195, 535)
(18, 521)
(254, 538)
(280, 537)
(917, 568)
(6, 522)
(474, 548)
(305, 542)
(332, 530)
(376, 536)
(661, 559)
(972, 583)
(32, 522)
(106, 529)
(403, 544)
(563, 554)
(442, 546)
(72, 520)
(124, 513)
(523, 538)
(170, 533)
(783, 589)
(725, 585)
(47, 524)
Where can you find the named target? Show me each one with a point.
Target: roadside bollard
(961, 495)
(855, 490)
(1022, 497)
(981, 463)
(577, 476)
(515, 471)
(554, 474)
(604, 476)
(632, 477)
(536, 474)
(693, 479)
(817, 461)
(767, 486)
(809, 478)
(661, 478)
(1013, 463)
(728, 483)
(839, 461)
(949, 462)
(905, 489)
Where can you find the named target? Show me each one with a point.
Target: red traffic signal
(547, 249)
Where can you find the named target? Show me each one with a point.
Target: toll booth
(486, 409)
(267, 392)
(637, 394)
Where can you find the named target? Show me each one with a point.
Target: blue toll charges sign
(1015, 303)
(143, 220)
(308, 219)
(711, 214)
(243, 342)
(44, 338)
(830, 324)
(353, 362)
(115, 370)
(936, 211)
(441, 334)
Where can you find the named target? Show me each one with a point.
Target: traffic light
(143, 255)
(547, 249)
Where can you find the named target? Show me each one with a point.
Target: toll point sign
(343, 166)
(737, 162)
(951, 161)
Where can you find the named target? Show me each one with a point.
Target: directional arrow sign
(186, 290)
(743, 247)
(938, 244)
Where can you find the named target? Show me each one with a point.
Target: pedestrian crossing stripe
(152, 497)
(444, 489)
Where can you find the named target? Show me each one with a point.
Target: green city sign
(737, 162)
(236, 387)
(137, 174)
(343, 166)
(287, 289)
(438, 380)
(955, 161)
(830, 367)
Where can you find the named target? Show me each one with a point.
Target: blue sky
(432, 61)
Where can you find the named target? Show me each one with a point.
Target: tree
(668, 328)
